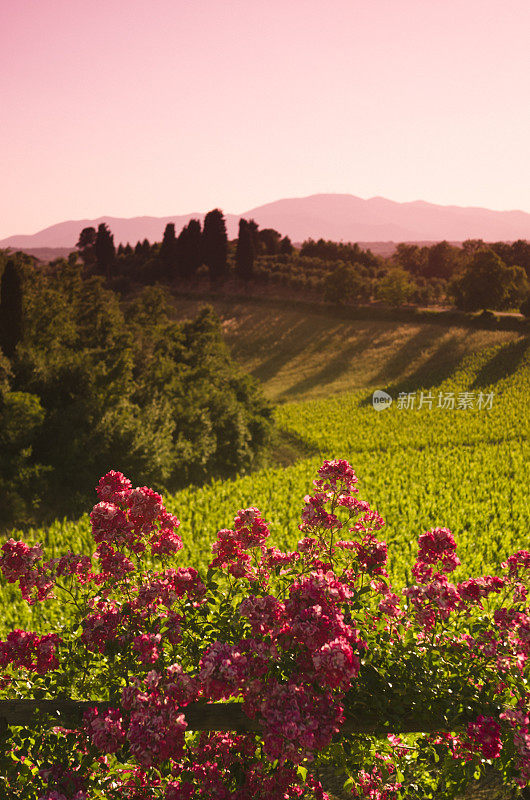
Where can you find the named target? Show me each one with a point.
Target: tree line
(182, 256)
(472, 276)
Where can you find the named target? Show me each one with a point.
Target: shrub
(328, 661)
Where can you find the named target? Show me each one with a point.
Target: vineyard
(463, 468)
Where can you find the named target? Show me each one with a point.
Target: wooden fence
(211, 717)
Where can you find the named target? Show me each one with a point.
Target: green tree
(86, 244)
(22, 479)
(487, 283)
(411, 258)
(346, 284)
(11, 309)
(244, 252)
(520, 255)
(286, 246)
(395, 287)
(215, 245)
(97, 388)
(270, 240)
(442, 261)
(104, 250)
(256, 240)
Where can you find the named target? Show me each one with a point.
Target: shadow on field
(411, 349)
(503, 364)
(336, 366)
(440, 364)
(294, 340)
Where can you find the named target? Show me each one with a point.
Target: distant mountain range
(330, 216)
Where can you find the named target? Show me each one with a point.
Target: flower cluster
(298, 722)
(519, 721)
(436, 548)
(19, 562)
(250, 533)
(484, 736)
(30, 651)
(128, 519)
(157, 726)
(105, 730)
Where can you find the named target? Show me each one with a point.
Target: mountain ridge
(339, 217)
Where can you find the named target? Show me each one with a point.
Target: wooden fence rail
(210, 717)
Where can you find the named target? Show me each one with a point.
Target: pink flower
(110, 525)
(251, 529)
(30, 651)
(297, 721)
(368, 522)
(472, 590)
(517, 563)
(165, 542)
(157, 726)
(371, 554)
(223, 668)
(113, 487)
(336, 475)
(18, 559)
(264, 613)
(70, 564)
(273, 557)
(314, 514)
(389, 605)
(484, 735)
(146, 645)
(335, 664)
(113, 563)
(105, 729)
(144, 505)
(100, 628)
(438, 544)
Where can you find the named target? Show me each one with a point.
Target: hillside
(419, 468)
(340, 217)
(297, 356)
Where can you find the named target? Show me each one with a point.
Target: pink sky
(133, 107)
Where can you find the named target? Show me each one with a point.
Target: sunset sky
(158, 107)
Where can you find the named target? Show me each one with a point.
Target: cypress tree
(189, 244)
(254, 232)
(104, 250)
(215, 245)
(168, 251)
(11, 310)
(244, 252)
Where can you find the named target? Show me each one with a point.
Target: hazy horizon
(140, 108)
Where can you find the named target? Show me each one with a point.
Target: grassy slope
(298, 357)
(465, 470)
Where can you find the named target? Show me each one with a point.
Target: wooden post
(208, 717)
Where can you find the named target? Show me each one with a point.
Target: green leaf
(302, 771)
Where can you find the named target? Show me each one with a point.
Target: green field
(465, 469)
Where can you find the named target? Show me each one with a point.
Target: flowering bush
(315, 660)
